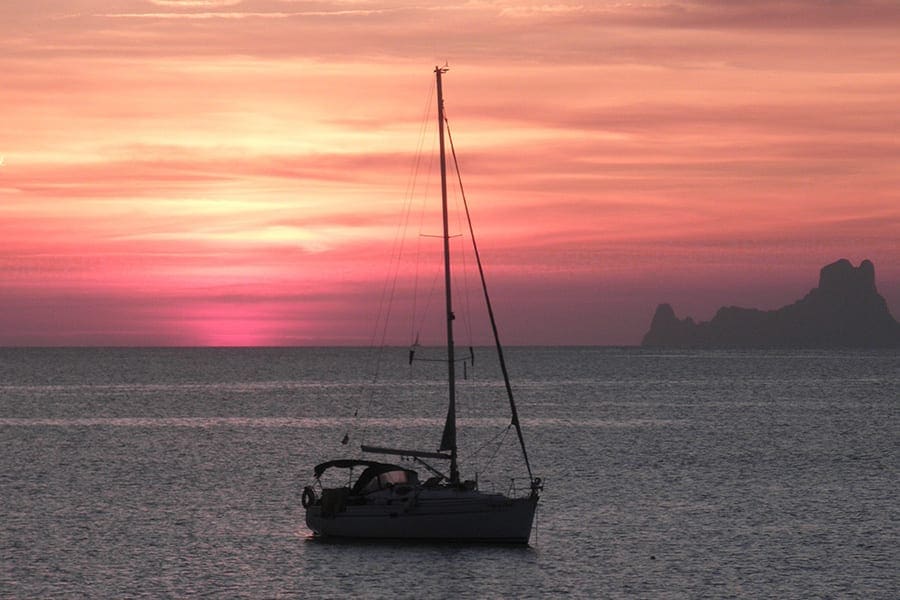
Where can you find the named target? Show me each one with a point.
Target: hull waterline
(483, 518)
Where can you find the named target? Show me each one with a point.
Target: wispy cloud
(272, 10)
(195, 3)
(170, 148)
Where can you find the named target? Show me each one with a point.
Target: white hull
(444, 514)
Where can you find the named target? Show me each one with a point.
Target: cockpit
(374, 477)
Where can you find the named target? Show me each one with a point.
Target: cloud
(195, 3)
(500, 33)
(198, 15)
(777, 14)
(334, 9)
(183, 147)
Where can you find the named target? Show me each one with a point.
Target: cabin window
(369, 483)
(393, 478)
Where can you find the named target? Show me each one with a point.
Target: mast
(448, 439)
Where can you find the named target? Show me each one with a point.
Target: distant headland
(845, 310)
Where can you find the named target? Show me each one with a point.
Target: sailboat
(388, 501)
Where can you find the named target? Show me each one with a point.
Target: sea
(178, 472)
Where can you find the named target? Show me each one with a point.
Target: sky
(236, 172)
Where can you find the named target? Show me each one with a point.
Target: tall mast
(448, 440)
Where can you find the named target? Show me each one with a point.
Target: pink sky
(232, 172)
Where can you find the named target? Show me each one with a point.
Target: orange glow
(233, 172)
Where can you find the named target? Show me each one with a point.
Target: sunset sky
(233, 172)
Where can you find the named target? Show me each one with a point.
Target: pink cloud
(176, 168)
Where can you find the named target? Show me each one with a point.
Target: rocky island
(845, 310)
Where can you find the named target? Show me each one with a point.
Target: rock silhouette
(845, 310)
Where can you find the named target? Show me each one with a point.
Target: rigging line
(423, 129)
(382, 321)
(418, 318)
(490, 310)
(402, 231)
(432, 293)
(493, 457)
(501, 432)
(389, 288)
(467, 313)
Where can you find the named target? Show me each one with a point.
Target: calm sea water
(177, 473)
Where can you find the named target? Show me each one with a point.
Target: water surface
(178, 472)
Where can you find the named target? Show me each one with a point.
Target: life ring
(308, 498)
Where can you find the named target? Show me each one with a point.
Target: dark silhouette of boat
(389, 501)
